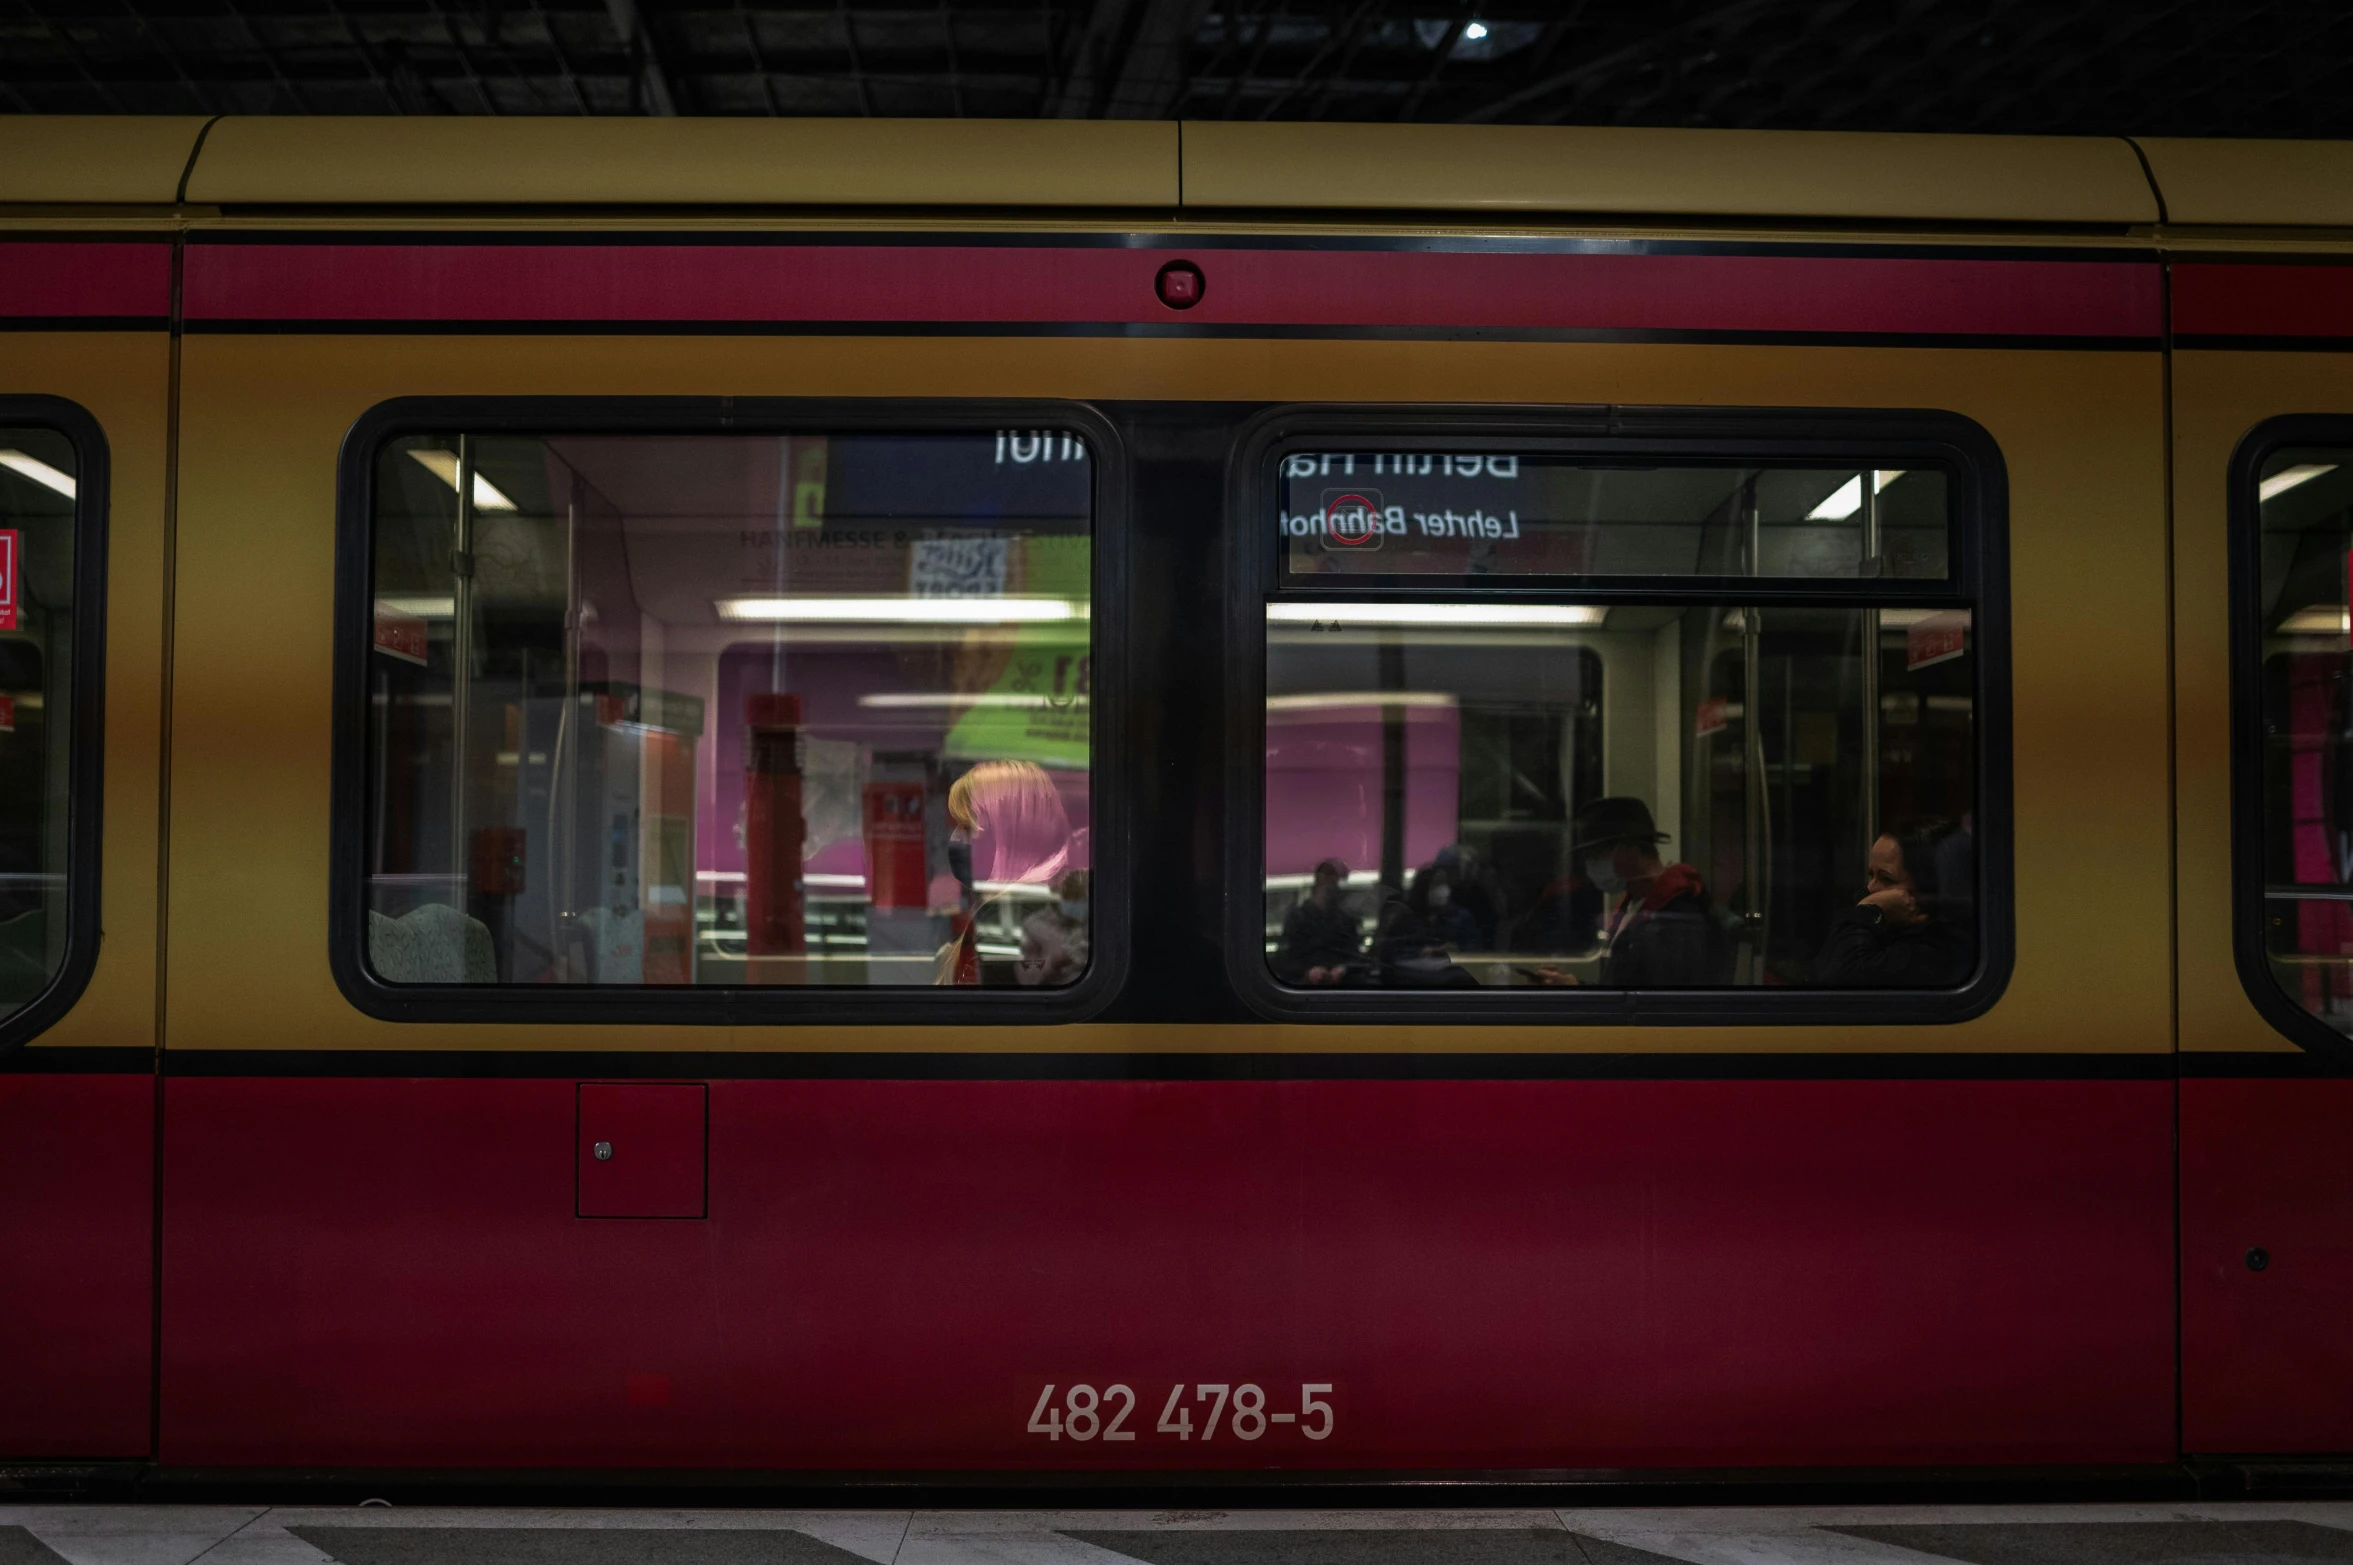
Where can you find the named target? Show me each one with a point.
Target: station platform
(2232, 1533)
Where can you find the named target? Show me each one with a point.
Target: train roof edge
(1256, 168)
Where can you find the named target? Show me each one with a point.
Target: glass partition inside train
(40, 480)
(2305, 497)
(793, 710)
(1718, 788)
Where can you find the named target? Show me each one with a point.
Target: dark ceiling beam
(857, 65)
(1130, 61)
(569, 74)
(651, 83)
(165, 52)
(1347, 34)
(1615, 61)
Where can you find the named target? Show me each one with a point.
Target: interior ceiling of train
(2154, 67)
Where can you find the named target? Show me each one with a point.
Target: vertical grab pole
(1870, 669)
(461, 657)
(1757, 827)
(1390, 660)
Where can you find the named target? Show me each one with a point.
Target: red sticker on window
(398, 633)
(1935, 639)
(10, 550)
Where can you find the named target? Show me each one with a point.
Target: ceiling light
(1903, 619)
(2271, 488)
(1844, 502)
(899, 611)
(421, 608)
(1335, 699)
(38, 471)
(444, 466)
(1460, 616)
(891, 700)
(1474, 31)
(2317, 621)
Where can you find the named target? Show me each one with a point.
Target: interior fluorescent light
(2317, 621)
(1902, 619)
(1847, 498)
(422, 608)
(49, 477)
(1844, 502)
(895, 699)
(900, 611)
(1330, 700)
(2271, 488)
(1453, 615)
(444, 466)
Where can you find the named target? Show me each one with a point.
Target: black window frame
(1978, 544)
(688, 1005)
(86, 750)
(2245, 513)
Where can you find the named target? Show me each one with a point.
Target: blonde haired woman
(1011, 815)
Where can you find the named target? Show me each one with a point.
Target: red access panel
(644, 1149)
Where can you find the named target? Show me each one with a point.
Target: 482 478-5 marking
(1087, 1414)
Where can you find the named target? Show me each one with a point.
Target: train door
(85, 421)
(2263, 507)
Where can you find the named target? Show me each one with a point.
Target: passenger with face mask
(1420, 932)
(1660, 929)
(1009, 827)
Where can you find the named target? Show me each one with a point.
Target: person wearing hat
(1662, 934)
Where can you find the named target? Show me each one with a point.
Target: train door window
(1560, 725)
(2295, 514)
(52, 479)
(800, 711)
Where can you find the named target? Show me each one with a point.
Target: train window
(802, 710)
(2303, 554)
(51, 550)
(1500, 515)
(1769, 782)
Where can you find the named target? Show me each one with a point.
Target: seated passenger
(1565, 920)
(1054, 939)
(1476, 891)
(1661, 933)
(1420, 932)
(1912, 928)
(1322, 941)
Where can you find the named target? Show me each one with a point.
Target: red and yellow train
(1115, 800)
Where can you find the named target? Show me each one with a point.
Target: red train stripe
(84, 280)
(1479, 1274)
(2263, 301)
(1042, 285)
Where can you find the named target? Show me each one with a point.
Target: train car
(1132, 803)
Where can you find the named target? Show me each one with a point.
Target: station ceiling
(2153, 67)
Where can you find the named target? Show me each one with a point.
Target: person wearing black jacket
(1910, 930)
(1322, 943)
(1661, 927)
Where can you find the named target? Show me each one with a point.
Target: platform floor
(2239, 1533)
